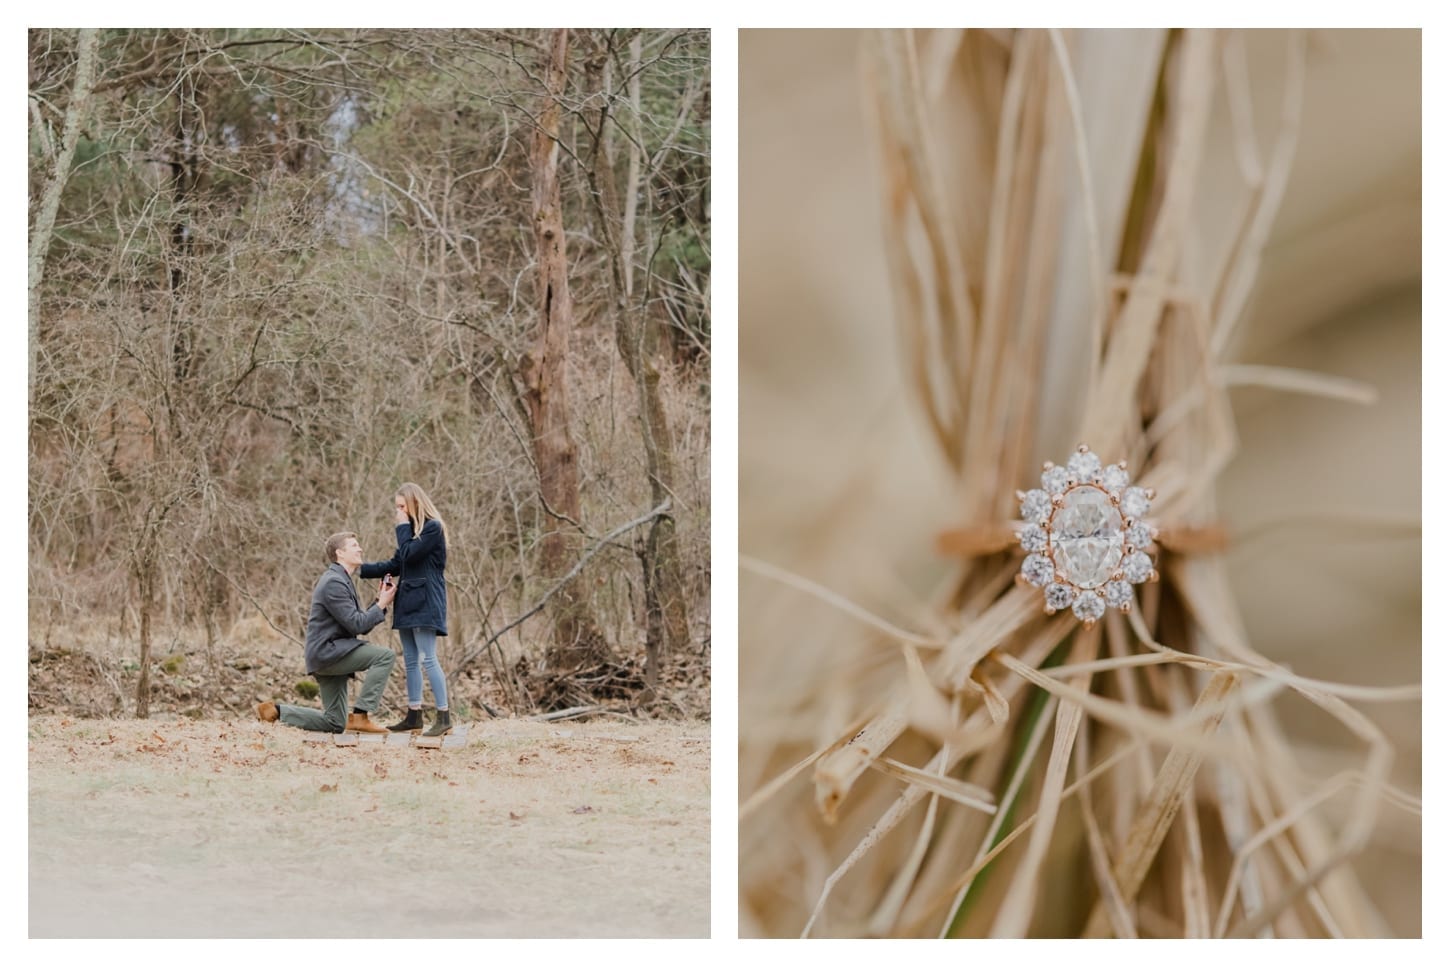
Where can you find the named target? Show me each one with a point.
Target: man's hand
(387, 591)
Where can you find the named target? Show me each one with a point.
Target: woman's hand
(400, 516)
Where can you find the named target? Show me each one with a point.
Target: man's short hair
(334, 544)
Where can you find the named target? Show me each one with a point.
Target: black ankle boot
(412, 723)
(441, 725)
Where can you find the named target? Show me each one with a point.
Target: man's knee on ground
(336, 721)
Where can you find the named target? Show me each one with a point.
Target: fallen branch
(568, 713)
(578, 566)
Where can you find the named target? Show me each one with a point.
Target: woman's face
(401, 504)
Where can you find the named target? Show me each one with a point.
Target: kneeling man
(335, 652)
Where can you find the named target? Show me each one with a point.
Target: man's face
(350, 555)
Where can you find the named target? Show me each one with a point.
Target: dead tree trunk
(145, 579)
(667, 624)
(545, 380)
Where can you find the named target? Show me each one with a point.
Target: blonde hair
(419, 508)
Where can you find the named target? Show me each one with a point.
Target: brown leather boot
(267, 711)
(359, 722)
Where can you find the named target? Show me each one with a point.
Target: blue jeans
(424, 641)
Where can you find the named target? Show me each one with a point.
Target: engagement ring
(1086, 538)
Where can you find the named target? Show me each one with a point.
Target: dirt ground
(180, 828)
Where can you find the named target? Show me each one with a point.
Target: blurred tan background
(840, 483)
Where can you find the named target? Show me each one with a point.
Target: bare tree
(636, 331)
(41, 231)
(545, 374)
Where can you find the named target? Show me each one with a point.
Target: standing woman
(420, 610)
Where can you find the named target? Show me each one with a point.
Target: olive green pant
(375, 660)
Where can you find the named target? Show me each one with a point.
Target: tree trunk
(667, 624)
(143, 682)
(40, 235)
(545, 377)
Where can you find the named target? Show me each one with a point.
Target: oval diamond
(1087, 537)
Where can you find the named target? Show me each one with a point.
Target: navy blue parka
(422, 600)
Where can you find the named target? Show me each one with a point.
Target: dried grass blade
(1239, 90)
(908, 288)
(1015, 913)
(1098, 265)
(1009, 222)
(1110, 407)
(960, 889)
(889, 910)
(835, 773)
(838, 601)
(765, 792)
(1277, 827)
(1197, 921)
(1036, 724)
(1239, 279)
(975, 641)
(992, 698)
(942, 47)
(1263, 668)
(956, 790)
(893, 815)
(1119, 915)
(940, 763)
(1174, 780)
(930, 711)
(1233, 811)
(955, 314)
(1150, 725)
(1298, 381)
(1218, 623)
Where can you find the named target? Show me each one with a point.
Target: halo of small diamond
(1037, 569)
(1088, 606)
(1036, 506)
(1135, 502)
(1054, 480)
(1119, 594)
(1082, 465)
(1059, 596)
(1137, 567)
(1086, 537)
(1033, 539)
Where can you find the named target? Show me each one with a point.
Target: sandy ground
(238, 829)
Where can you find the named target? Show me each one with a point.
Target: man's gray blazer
(336, 619)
